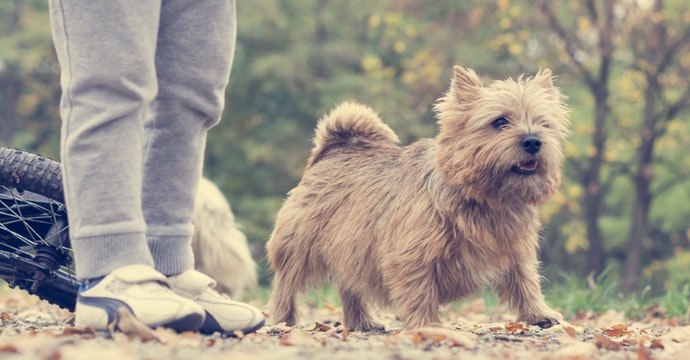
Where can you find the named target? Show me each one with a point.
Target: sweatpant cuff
(99, 255)
(172, 255)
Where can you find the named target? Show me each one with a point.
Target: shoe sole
(206, 331)
(191, 322)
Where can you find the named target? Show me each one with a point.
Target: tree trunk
(9, 94)
(642, 183)
(592, 185)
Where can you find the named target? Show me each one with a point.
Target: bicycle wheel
(35, 254)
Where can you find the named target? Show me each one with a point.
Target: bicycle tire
(23, 174)
(32, 172)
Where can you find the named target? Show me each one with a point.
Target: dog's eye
(500, 123)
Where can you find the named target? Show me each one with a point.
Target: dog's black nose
(531, 144)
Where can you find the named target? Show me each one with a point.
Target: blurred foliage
(296, 60)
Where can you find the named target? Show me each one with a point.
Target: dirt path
(32, 329)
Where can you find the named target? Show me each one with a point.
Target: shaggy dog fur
(418, 226)
(220, 248)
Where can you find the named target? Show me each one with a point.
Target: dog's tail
(350, 124)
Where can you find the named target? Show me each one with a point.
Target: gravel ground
(33, 329)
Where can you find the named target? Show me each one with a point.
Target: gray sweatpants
(142, 82)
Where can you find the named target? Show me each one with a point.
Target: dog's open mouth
(528, 167)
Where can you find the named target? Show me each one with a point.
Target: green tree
(29, 87)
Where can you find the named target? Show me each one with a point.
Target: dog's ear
(545, 79)
(465, 84)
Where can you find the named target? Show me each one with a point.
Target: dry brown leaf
(298, 337)
(129, 325)
(656, 344)
(172, 338)
(8, 348)
(495, 328)
(331, 308)
(576, 351)
(570, 331)
(643, 354)
(345, 334)
(617, 330)
(416, 339)
(438, 335)
(602, 342)
(321, 327)
(5, 316)
(515, 327)
(71, 330)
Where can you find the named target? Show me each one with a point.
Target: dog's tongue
(530, 165)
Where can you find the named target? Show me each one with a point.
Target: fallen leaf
(656, 344)
(129, 325)
(5, 316)
(495, 328)
(331, 308)
(71, 330)
(8, 348)
(643, 354)
(438, 335)
(172, 338)
(345, 334)
(602, 342)
(570, 331)
(576, 350)
(515, 327)
(320, 327)
(298, 337)
(617, 330)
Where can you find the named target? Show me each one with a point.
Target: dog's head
(502, 142)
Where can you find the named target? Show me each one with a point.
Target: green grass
(572, 294)
(568, 293)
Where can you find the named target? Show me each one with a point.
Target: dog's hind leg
(282, 303)
(355, 312)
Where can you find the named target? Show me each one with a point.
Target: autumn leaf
(71, 330)
(656, 344)
(643, 354)
(515, 327)
(5, 316)
(602, 342)
(617, 330)
(345, 334)
(320, 327)
(298, 337)
(129, 325)
(438, 335)
(570, 331)
(170, 337)
(8, 348)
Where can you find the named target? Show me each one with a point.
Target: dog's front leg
(414, 293)
(520, 288)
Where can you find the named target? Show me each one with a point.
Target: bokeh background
(624, 208)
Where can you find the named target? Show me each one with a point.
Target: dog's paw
(369, 325)
(546, 323)
(548, 318)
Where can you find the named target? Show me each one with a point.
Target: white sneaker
(142, 291)
(223, 314)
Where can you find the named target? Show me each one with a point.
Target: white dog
(220, 248)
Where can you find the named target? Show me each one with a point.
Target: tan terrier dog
(429, 223)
